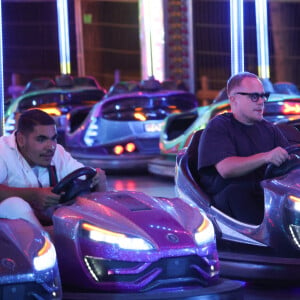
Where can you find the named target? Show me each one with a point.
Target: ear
(20, 138)
(232, 100)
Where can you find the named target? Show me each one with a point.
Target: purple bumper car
(28, 266)
(131, 242)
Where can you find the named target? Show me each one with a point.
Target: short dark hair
(31, 118)
(236, 79)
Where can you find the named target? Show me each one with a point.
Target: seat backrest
(192, 153)
(85, 81)
(191, 170)
(187, 177)
(39, 84)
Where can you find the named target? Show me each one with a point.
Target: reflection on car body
(270, 249)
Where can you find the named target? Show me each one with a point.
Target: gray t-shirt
(223, 137)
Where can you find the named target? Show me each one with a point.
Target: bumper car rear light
(130, 147)
(118, 149)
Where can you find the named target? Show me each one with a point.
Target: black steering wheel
(72, 186)
(289, 165)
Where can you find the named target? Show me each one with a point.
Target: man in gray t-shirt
(235, 148)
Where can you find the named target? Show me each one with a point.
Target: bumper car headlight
(121, 240)
(295, 201)
(46, 257)
(205, 232)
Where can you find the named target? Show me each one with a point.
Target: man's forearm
(25, 193)
(238, 166)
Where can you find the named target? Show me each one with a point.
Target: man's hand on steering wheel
(293, 162)
(71, 186)
(99, 183)
(44, 198)
(277, 156)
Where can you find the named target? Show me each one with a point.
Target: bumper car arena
(131, 86)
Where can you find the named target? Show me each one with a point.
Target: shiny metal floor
(226, 290)
(148, 184)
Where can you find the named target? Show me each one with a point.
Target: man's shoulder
(7, 142)
(61, 155)
(222, 120)
(266, 124)
(60, 148)
(60, 152)
(225, 117)
(64, 162)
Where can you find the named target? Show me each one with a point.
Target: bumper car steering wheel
(273, 171)
(72, 186)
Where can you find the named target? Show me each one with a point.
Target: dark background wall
(30, 40)
(111, 40)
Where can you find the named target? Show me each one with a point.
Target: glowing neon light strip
(1, 75)
(262, 38)
(63, 36)
(237, 36)
(152, 38)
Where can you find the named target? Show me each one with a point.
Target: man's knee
(17, 208)
(14, 207)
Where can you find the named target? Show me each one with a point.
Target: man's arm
(38, 198)
(235, 166)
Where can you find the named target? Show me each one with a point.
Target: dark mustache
(48, 152)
